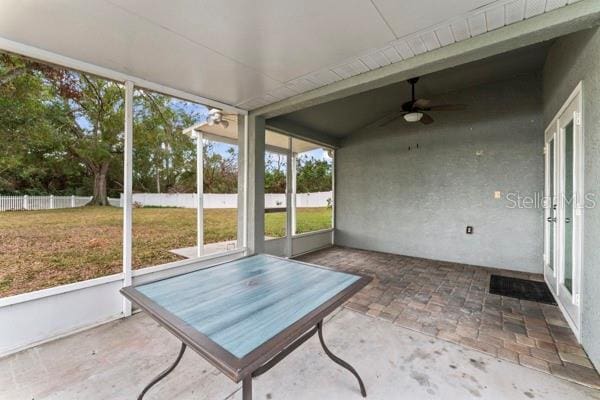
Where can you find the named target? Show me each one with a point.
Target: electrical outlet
(469, 230)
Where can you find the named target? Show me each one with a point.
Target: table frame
(259, 360)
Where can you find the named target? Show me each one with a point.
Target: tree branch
(12, 74)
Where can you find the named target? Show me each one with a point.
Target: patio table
(245, 316)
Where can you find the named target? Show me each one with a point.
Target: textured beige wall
(418, 202)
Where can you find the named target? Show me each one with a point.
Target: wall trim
(312, 233)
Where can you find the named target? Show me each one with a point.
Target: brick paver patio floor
(451, 301)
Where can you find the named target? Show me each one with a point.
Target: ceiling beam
(580, 15)
(293, 129)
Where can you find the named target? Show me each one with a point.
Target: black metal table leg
(166, 372)
(339, 361)
(247, 388)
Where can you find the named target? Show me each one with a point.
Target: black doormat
(521, 289)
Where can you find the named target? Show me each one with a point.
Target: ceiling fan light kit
(417, 110)
(413, 117)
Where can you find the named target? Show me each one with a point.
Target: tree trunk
(100, 174)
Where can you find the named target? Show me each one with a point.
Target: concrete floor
(116, 360)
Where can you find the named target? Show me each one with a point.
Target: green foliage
(163, 155)
(62, 133)
(60, 129)
(220, 172)
(313, 175)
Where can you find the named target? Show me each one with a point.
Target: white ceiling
(252, 53)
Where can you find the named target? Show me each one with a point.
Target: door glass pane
(552, 213)
(569, 204)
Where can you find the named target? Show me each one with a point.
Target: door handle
(551, 219)
(567, 220)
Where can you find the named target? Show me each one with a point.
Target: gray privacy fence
(214, 200)
(24, 203)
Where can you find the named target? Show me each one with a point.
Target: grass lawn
(40, 249)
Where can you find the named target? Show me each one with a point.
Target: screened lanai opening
(299, 194)
(62, 163)
(103, 181)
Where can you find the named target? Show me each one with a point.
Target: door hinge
(577, 118)
(576, 299)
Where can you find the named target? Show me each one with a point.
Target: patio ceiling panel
(106, 35)
(255, 53)
(406, 17)
(281, 39)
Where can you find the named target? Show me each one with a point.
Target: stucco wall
(418, 202)
(570, 60)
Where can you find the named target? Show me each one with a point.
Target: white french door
(564, 207)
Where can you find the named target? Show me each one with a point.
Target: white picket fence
(21, 203)
(213, 200)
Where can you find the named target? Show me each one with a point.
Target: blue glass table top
(244, 303)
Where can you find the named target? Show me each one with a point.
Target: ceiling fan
(414, 110)
(218, 117)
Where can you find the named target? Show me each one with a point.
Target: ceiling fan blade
(382, 121)
(390, 118)
(426, 119)
(421, 103)
(447, 107)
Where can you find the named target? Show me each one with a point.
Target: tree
(165, 158)
(93, 115)
(33, 158)
(220, 169)
(73, 116)
(62, 133)
(163, 155)
(314, 175)
(275, 173)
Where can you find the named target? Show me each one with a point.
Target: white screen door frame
(551, 208)
(564, 208)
